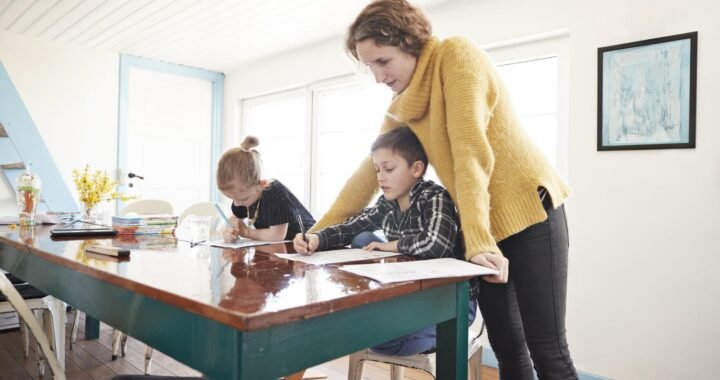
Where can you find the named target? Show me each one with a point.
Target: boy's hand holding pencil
(306, 244)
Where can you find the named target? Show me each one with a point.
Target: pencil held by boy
(272, 211)
(417, 216)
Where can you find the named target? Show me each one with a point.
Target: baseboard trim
(489, 360)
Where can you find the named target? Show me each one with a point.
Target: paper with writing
(418, 270)
(337, 256)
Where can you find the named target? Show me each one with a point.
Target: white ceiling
(211, 34)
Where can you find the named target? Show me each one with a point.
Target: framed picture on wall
(646, 94)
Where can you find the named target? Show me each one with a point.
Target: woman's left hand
(495, 261)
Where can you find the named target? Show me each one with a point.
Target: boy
(417, 216)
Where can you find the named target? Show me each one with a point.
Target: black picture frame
(646, 94)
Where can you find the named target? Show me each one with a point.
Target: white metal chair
(204, 209)
(148, 206)
(53, 353)
(119, 344)
(141, 207)
(423, 362)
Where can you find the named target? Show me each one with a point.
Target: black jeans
(528, 313)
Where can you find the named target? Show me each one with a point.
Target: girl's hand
(390, 246)
(495, 261)
(306, 247)
(231, 233)
(242, 230)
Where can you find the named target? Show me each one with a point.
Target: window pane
(348, 121)
(533, 87)
(279, 124)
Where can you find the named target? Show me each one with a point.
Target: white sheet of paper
(337, 256)
(241, 243)
(418, 270)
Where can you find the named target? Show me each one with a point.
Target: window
(279, 122)
(320, 133)
(347, 120)
(536, 70)
(533, 88)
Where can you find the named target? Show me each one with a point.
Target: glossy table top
(248, 289)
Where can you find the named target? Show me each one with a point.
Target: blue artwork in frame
(646, 94)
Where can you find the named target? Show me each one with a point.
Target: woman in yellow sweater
(509, 198)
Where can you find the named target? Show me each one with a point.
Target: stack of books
(145, 224)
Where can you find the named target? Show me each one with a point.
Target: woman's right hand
(495, 261)
(306, 247)
(231, 233)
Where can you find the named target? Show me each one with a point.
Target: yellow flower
(96, 186)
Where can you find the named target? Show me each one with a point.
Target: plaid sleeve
(341, 235)
(437, 232)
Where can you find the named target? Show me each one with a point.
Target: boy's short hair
(402, 140)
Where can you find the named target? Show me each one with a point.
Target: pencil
(302, 227)
(222, 215)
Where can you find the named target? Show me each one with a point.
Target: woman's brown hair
(242, 163)
(390, 23)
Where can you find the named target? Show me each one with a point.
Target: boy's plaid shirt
(428, 229)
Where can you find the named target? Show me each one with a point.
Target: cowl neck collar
(412, 103)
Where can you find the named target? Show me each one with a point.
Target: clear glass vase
(90, 213)
(28, 195)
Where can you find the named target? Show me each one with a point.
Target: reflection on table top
(248, 289)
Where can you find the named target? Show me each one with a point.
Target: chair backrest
(148, 206)
(204, 209)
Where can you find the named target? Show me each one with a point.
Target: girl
(273, 211)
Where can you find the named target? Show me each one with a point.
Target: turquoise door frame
(217, 79)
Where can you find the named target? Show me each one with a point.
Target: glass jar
(28, 195)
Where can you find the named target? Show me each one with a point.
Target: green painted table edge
(222, 352)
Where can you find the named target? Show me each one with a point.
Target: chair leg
(148, 359)
(355, 366)
(74, 331)
(396, 372)
(116, 342)
(57, 310)
(475, 366)
(45, 326)
(25, 331)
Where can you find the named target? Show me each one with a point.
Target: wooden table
(238, 314)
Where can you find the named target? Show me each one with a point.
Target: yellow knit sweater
(458, 107)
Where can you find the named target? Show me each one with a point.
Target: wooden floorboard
(92, 360)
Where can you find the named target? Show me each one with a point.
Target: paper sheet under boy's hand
(337, 256)
(418, 270)
(240, 243)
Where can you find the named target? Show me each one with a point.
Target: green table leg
(92, 327)
(452, 340)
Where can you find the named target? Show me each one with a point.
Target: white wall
(643, 297)
(71, 94)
